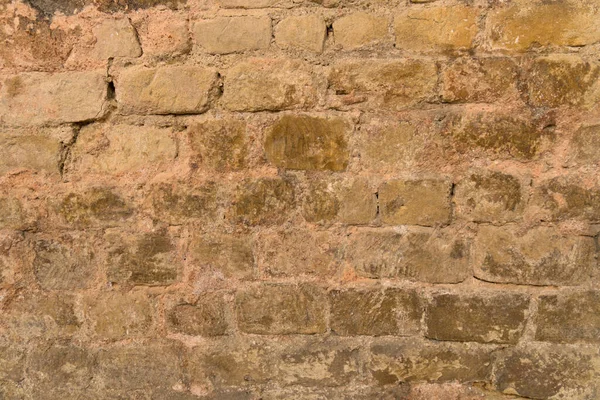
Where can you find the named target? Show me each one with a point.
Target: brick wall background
(295, 199)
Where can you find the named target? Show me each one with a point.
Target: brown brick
(40, 98)
(585, 145)
(564, 197)
(415, 202)
(480, 80)
(391, 84)
(569, 317)
(142, 259)
(116, 38)
(67, 262)
(206, 317)
(12, 363)
(13, 214)
(281, 309)
(558, 80)
(320, 203)
(230, 255)
(523, 24)
(98, 206)
(296, 252)
(542, 372)
(416, 254)
(360, 29)
(536, 256)
(306, 32)
(220, 144)
(269, 85)
(32, 152)
(375, 312)
(165, 90)
(440, 28)
(247, 3)
(357, 201)
(116, 149)
(408, 360)
(116, 316)
(477, 317)
(305, 142)
(225, 35)
(489, 196)
(177, 204)
(264, 201)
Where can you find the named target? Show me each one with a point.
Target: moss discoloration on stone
(95, 206)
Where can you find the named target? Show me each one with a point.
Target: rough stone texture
(306, 32)
(233, 34)
(264, 201)
(175, 203)
(31, 152)
(586, 145)
(97, 206)
(206, 317)
(360, 29)
(230, 255)
(564, 197)
(220, 144)
(116, 38)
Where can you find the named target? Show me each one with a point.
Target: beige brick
(247, 3)
(206, 317)
(585, 145)
(320, 203)
(415, 202)
(565, 197)
(360, 29)
(41, 98)
(305, 32)
(225, 35)
(116, 38)
(269, 85)
(229, 255)
(440, 28)
(13, 214)
(264, 201)
(357, 202)
(165, 90)
(32, 152)
(220, 144)
(97, 206)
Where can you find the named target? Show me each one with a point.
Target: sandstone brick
(178, 203)
(247, 3)
(481, 80)
(523, 25)
(477, 317)
(442, 28)
(564, 197)
(264, 201)
(408, 360)
(489, 196)
(116, 149)
(269, 85)
(225, 35)
(305, 32)
(166, 34)
(558, 80)
(206, 317)
(536, 256)
(320, 203)
(116, 38)
(135, 366)
(12, 368)
(38, 98)
(230, 255)
(116, 316)
(360, 29)
(305, 142)
(542, 372)
(393, 84)
(165, 90)
(416, 254)
(357, 202)
(568, 317)
(67, 262)
(97, 206)
(33, 152)
(144, 259)
(375, 312)
(415, 202)
(13, 214)
(281, 309)
(585, 145)
(296, 252)
(220, 144)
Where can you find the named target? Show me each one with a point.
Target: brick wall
(295, 199)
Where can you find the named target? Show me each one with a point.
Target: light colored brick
(166, 33)
(305, 32)
(225, 35)
(33, 152)
(360, 29)
(247, 3)
(116, 38)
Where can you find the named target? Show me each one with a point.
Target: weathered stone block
(305, 32)
(477, 317)
(360, 29)
(537, 256)
(440, 28)
(177, 203)
(264, 201)
(305, 142)
(281, 309)
(564, 197)
(32, 152)
(98, 206)
(569, 317)
(38, 98)
(417, 254)
(269, 85)
(320, 203)
(230, 255)
(166, 34)
(12, 213)
(220, 144)
(12, 363)
(206, 317)
(415, 202)
(375, 312)
(115, 38)
(247, 3)
(165, 90)
(585, 145)
(489, 196)
(225, 35)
